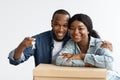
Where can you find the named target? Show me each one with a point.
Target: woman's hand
(89, 65)
(73, 56)
(67, 55)
(77, 56)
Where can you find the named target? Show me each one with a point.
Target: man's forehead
(61, 16)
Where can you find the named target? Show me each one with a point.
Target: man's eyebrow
(55, 22)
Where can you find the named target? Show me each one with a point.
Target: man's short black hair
(61, 11)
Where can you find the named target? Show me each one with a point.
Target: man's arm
(27, 42)
(17, 56)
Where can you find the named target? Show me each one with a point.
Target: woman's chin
(77, 40)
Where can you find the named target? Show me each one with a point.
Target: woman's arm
(102, 58)
(66, 53)
(63, 61)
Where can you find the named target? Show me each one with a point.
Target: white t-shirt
(56, 49)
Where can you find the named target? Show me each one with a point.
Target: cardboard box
(53, 72)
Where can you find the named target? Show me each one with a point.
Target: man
(47, 44)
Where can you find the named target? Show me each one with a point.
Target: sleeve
(15, 62)
(60, 61)
(25, 56)
(68, 48)
(103, 60)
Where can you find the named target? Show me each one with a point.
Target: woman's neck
(84, 45)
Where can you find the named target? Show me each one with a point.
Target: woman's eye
(72, 28)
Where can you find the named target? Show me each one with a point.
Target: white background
(21, 18)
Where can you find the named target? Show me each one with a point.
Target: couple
(85, 48)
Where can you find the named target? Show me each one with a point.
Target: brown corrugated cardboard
(53, 72)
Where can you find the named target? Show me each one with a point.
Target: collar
(93, 41)
(67, 37)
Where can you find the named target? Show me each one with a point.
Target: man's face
(60, 26)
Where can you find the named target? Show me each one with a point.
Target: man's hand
(107, 44)
(27, 42)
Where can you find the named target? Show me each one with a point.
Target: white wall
(21, 18)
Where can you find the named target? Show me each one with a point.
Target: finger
(31, 39)
(104, 44)
(110, 48)
(107, 43)
(63, 54)
(69, 59)
(33, 43)
(63, 57)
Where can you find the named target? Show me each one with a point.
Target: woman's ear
(88, 32)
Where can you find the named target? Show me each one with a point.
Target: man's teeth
(60, 34)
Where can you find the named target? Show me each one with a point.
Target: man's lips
(60, 34)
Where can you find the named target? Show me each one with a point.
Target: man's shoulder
(44, 34)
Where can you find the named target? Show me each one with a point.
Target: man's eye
(65, 25)
(56, 24)
(79, 28)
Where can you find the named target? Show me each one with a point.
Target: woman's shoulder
(70, 41)
(96, 41)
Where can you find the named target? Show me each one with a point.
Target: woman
(84, 47)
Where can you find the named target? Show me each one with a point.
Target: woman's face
(78, 31)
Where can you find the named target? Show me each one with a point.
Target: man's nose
(61, 28)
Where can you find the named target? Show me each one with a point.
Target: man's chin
(60, 38)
